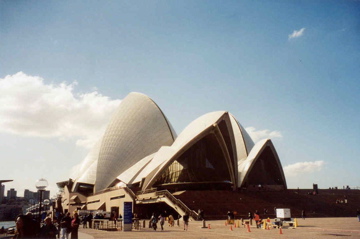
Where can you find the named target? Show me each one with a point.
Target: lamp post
(41, 185)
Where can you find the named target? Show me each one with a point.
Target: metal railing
(178, 203)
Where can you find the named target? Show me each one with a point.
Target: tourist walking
(250, 216)
(257, 219)
(186, 221)
(358, 214)
(48, 230)
(171, 220)
(162, 221)
(153, 221)
(75, 222)
(84, 221)
(89, 219)
(65, 225)
(21, 231)
(303, 214)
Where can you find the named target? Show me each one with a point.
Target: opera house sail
(140, 150)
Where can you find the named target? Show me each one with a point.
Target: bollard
(280, 231)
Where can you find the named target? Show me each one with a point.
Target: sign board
(283, 213)
(127, 216)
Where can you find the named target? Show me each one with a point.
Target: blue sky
(287, 70)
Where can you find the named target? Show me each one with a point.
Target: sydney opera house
(141, 159)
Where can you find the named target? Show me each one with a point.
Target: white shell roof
(89, 175)
(245, 165)
(244, 143)
(87, 169)
(193, 130)
(195, 127)
(137, 129)
(129, 175)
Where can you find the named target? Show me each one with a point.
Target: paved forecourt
(310, 228)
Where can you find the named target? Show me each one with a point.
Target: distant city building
(46, 195)
(11, 194)
(2, 191)
(28, 195)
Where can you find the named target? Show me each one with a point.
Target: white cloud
(258, 135)
(296, 34)
(31, 107)
(303, 167)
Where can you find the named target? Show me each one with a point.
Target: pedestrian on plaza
(75, 222)
(303, 214)
(84, 221)
(48, 230)
(153, 221)
(178, 220)
(20, 227)
(171, 220)
(250, 216)
(32, 225)
(257, 219)
(89, 219)
(358, 214)
(186, 221)
(162, 221)
(65, 225)
(114, 217)
(230, 216)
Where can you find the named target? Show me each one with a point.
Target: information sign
(128, 213)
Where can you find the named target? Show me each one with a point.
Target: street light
(41, 185)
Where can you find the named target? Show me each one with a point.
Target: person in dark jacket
(48, 230)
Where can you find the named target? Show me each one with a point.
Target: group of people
(28, 227)
(69, 225)
(62, 227)
(86, 220)
(163, 216)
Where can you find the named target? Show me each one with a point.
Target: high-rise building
(11, 194)
(2, 192)
(46, 194)
(28, 194)
(2, 189)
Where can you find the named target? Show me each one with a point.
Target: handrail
(146, 191)
(178, 202)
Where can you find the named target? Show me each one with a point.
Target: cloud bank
(258, 135)
(31, 107)
(297, 34)
(303, 167)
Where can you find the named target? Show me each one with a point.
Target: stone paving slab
(310, 228)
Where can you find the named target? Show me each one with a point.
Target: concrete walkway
(311, 228)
